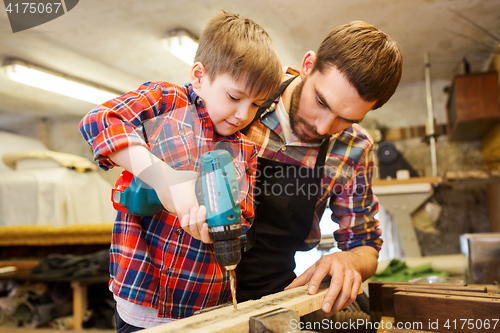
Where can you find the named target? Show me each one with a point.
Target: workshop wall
(407, 108)
(464, 210)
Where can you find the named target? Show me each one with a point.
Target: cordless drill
(217, 189)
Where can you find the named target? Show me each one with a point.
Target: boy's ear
(197, 72)
(307, 63)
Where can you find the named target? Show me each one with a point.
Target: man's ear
(307, 63)
(197, 72)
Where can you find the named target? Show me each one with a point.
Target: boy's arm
(161, 177)
(116, 124)
(111, 130)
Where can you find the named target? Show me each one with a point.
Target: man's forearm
(363, 259)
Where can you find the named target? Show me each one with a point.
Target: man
(312, 152)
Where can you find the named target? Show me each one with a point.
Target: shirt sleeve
(354, 208)
(112, 125)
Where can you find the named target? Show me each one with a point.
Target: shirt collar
(194, 99)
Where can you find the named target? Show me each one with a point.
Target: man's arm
(358, 236)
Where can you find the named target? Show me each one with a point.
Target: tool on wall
(217, 189)
(391, 160)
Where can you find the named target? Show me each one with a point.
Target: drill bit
(233, 289)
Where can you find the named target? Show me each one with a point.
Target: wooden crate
(472, 106)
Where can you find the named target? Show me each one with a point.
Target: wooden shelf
(412, 180)
(49, 236)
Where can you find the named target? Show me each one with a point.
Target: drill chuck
(223, 232)
(226, 244)
(228, 253)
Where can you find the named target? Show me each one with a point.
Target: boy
(159, 272)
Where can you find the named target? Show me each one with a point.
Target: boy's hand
(194, 224)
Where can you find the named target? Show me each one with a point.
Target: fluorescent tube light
(181, 44)
(38, 77)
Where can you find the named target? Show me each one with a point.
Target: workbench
(224, 319)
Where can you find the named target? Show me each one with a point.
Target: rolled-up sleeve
(113, 125)
(354, 208)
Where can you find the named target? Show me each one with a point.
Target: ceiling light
(38, 77)
(182, 44)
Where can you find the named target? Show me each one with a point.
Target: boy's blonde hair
(238, 46)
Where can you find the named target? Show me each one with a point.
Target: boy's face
(324, 104)
(228, 102)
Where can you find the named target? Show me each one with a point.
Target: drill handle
(131, 195)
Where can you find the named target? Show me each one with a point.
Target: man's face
(324, 104)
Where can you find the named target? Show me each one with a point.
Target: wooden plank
(49, 236)
(412, 180)
(448, 313)
(448, 292)
(388, 293)
(402, 133)
(226, 319)
(490, 288)
(375, 291)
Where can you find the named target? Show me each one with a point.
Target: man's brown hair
(238, 46)
(370, 60)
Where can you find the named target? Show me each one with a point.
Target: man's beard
(296, 120)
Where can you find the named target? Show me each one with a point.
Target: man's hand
(195, 225)
(347, 271)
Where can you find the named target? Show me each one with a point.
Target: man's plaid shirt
(346, 180)
(153, 261)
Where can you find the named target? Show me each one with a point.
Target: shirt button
(179, 231)
(181, 133)
(204, 120)
(198, 101)
(272, 107)
(283, 148)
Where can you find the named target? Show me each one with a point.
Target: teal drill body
(217, 189)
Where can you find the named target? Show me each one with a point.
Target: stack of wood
(437, 307)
